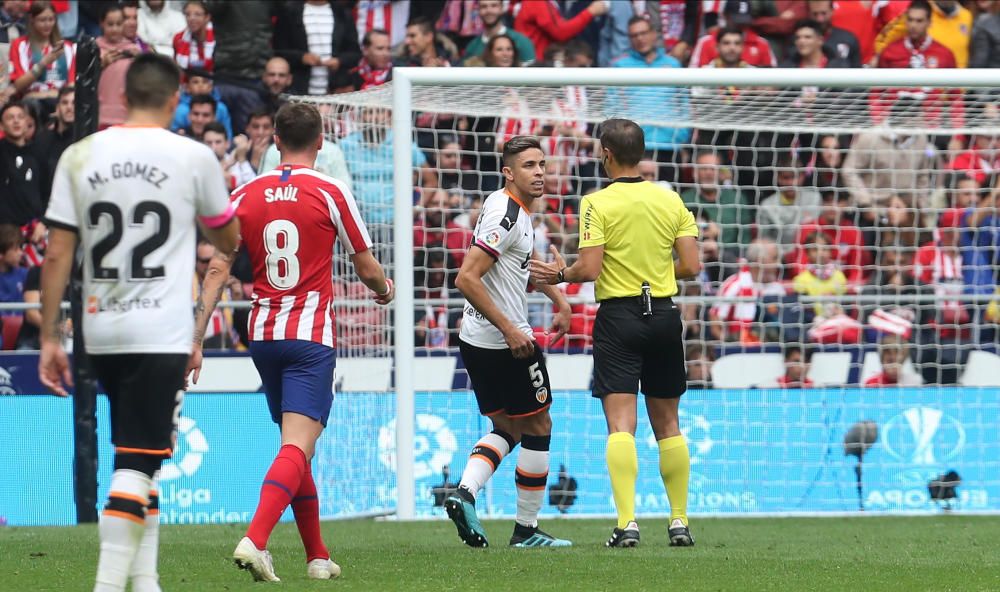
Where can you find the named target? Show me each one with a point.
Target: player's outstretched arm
(216, 278)
(53, 365)
(372, 275)
(588, 266)
(561, 320)
(470, 283)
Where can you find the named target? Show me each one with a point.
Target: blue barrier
(753, 451)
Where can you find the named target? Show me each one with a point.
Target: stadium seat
(434, 373)
(569, 372)
(747, 370)
(11, 329)
(227, 375)
(981, 369)
(830, 368)
(364, 374)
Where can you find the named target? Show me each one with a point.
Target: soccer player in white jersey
(130, 196)
(505, 364)
(291, 218)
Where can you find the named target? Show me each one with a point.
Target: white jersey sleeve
(494, 233)
(212, 202)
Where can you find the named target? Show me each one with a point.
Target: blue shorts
(297, 377)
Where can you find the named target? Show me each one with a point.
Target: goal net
(848, 238)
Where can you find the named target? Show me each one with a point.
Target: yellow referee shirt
(637, 223)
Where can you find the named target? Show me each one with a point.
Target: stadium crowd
(786, 218)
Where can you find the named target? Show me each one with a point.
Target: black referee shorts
(633, 351)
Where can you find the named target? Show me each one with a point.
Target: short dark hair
(13, 105)
(640, 19)
(66, 90)
(814, 238)
(517, 145)
(426, 25)
(625, 139)
(809, 24)
(806, 352)
(298, 125)
(576, 47)
(204, 100)
(215, 126)
(728, 30)
(10, 237)
(198, 72)
(109, 8)
(260, 112)
(921, 5)
(367, 40)
(151, 80)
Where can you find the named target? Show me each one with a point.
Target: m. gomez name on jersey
(128, 170)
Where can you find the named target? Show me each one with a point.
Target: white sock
(122, 524)
(486, 456)
(145, 577)
(530, 477)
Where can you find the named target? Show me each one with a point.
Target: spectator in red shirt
(42, 62)
(919, 50)
(892, 354)
(756, 50)
(964, 191)
(375, 67)
(435, 228)
(194, 47)
(541, 22)
(796, 368)
(981, 160)
(939, 264)
(846, 238)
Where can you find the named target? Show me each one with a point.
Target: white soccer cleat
(322, 569)
(247, 556)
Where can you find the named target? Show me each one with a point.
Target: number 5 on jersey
(281, 241)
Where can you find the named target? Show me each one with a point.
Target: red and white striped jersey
(386, 15)
(290, 219)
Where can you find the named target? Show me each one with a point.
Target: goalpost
(754, 451)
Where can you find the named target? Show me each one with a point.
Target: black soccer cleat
(624, 538)
(680, 535)
(527, 537)
(462, 512)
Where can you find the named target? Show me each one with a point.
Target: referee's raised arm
(628, 236)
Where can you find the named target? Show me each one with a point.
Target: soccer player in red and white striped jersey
(292, 216)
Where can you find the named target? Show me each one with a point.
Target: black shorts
(505, 384)
(632, 350)
(145, 392)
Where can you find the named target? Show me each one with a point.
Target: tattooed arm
(216, 280)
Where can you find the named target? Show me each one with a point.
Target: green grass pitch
(960, 553)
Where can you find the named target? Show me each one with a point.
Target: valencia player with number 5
(290, 219)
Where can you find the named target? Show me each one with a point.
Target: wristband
(388, 289)
(561, 276)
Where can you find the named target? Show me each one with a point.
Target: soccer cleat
(247, 556)
(322, 569)
(679, 534)
(524, 537)
(624, 538)
(463, 514)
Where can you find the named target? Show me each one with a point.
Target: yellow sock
(675, 468)
(623, 467)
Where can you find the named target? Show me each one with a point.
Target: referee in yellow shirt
(630, 231)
